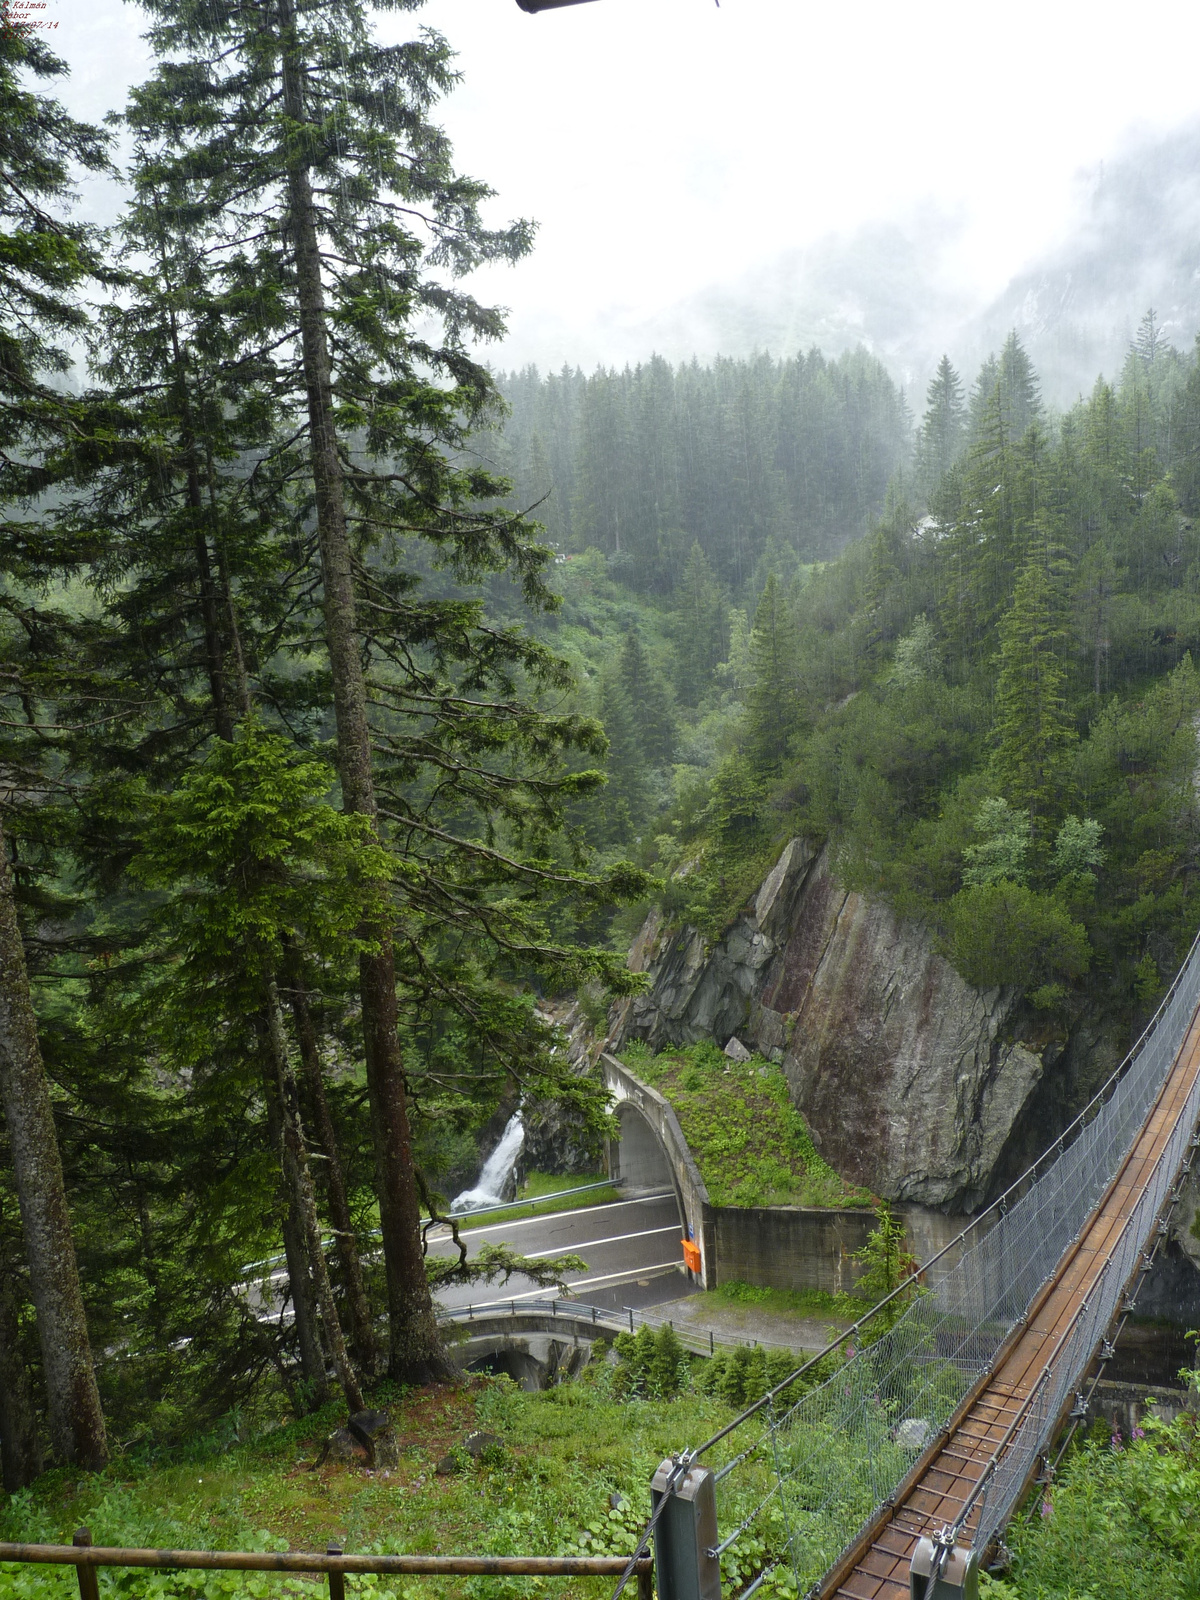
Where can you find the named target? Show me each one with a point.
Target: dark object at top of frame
(548, 5)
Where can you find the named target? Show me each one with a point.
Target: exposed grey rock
(912, 1434)
(910, 1080)
(736, 1050)
(1186, 1226)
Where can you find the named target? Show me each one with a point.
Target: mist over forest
(1129, 242)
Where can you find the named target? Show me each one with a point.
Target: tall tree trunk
(20, 1448)
(241, 678)
(76, 1420)
(214, 654)
(295, 1249)
(416, 1353)
(366, 1346)
(299, 1180)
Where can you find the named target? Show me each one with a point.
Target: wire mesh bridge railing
(802, 1476)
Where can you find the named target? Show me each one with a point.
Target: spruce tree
(625, 808)
(650, 700)
(701, 626)
(1033, 727)
(43, 260)
(1007, 386)
(772, 701)
(302, 152)
(44, 257)
(943, 429)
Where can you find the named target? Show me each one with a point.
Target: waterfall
(497, 1169)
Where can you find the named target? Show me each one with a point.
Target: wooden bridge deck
(877, 1568)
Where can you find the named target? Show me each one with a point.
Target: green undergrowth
(787, 1302)
(752, 1146)
(1122, 1522)
(566, 1455)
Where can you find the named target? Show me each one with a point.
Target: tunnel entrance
(643, 1163)
(518, 1365)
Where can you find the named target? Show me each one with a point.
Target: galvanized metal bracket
(685, 1533)
(940, 1574)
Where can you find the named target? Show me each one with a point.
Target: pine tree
(76, 1422)
(301, 151)
(626, 798)
(252, 865)
(943, 429)
(1148, 341)
(43, 260)
(1033, 727)
(1019, 388)
(650, 700)
(701, 626)
(1185, 453)
(772, 703)
(1007, 386)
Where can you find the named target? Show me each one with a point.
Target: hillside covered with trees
(986, 706)
(358, 701)
(740, 457)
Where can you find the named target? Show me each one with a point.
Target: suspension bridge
(894, 1475)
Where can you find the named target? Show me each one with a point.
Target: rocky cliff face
(911, 1081)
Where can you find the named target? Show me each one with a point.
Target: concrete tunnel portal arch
(642, 1160)
(650, 1155)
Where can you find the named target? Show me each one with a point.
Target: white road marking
(559, 1249)
(591, 1244)
(438, 1234)
(574, 1283)
(533, 1294)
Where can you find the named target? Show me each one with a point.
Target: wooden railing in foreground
(86, 1557)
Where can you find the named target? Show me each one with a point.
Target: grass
(541, 1183)
(564, 1453)
(752, 1146)
(788, 1302)
(1121, 1521)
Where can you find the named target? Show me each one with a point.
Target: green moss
(752, 1146)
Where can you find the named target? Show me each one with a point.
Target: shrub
(1003, 933)
(652, 1366)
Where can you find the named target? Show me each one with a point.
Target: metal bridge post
(685, 1534)
(941, 1573)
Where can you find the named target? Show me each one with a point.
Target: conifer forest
(362, 697)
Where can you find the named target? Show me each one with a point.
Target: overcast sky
(666, 147)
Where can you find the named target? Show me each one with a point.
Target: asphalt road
(632, 1249)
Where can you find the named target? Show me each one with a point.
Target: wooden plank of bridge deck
(881, 1571)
